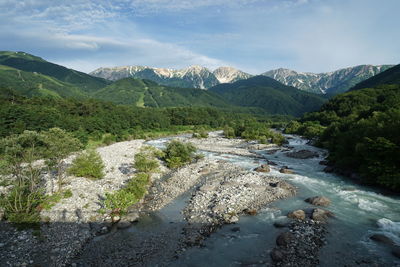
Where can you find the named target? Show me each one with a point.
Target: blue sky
(252, 35)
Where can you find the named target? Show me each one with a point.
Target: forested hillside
(270, 95)
(361, 129)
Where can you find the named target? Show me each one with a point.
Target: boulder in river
(131, 217)
(297, 214)
(324, 162)
(329, 169)
(396, 252)
(122, 224)
(263, 168)
(380, 238)
(286, 171)
(321, 215)
(319, 201)
(277, 254)
(302, 154)
(284, 239)
(281, 223)
(250, 211)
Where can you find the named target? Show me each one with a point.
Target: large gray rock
(319, 201)
(321, 215)
(329, 169)
(263, 168)
(123, 224)
(396, 252)
(382, 239)
(131, 217)
(284, 239)
(277, 254)
(302, 154)
(286, 171)
(297, 214)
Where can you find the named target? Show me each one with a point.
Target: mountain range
(330, 83)
(30, 76)
(191, 77)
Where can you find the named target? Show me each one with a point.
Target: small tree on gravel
(18, 154)
(178, 154)
(59, 144)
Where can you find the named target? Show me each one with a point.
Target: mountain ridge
(331, 83)
(269, 94)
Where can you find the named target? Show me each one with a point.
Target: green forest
(361, 130)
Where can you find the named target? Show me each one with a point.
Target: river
(359, 212)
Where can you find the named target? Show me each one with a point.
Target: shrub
(229, 132)
(88, 164)
(178, 154)
(58, 145)
(118, 202)
(108, 139)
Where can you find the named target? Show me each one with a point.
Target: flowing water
(359, 212)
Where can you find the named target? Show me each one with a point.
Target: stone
(329, 169)
(123, 224)
(321, 215)
(286, 171)
(302, 154)
(396, 252)
(382, 239)
(277, 254)
(324, 162)
(131, 217)
(281, 224)
(231, 218)
(263, 168)
(103, 230)
(297, 214)
(250, 212)
(235, 229)
(284, 239)
(319, 201)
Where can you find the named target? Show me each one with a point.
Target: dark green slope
(269, 94)
(390, 76)
(145, 93)
(27, 62)
(35, 84)
(361, 130)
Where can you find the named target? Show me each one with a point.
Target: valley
(249, 172)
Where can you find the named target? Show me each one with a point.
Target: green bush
(118, 202)
(108, 139)
(178, 154)
(88, 164)
(229, 132)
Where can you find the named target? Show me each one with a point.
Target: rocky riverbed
(182, 210)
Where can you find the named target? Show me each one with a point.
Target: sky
(252, 35)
